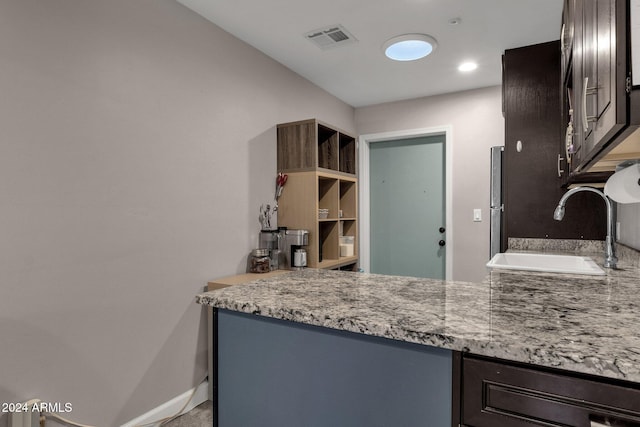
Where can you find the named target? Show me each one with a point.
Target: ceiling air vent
(330, 37)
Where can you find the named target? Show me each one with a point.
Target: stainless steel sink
(545, 262)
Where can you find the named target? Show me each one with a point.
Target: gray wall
(137, 141)
(477, 123)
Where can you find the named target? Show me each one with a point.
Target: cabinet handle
(560, 171)
(586, 90)
(585, 123)
(562, 46)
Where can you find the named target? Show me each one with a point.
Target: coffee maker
(287, 248)
(294, 249)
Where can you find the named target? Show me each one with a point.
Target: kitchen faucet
(610, 253)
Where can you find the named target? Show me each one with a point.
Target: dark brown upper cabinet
(599, 105)
(533, 128)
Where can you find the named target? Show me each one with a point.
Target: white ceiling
(359, 73)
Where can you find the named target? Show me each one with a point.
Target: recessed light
(409, 47)
(465, 67)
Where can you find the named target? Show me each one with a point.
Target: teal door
(407, 207)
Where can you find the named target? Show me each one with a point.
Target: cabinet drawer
(499, 394)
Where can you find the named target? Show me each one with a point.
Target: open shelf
(312, 145)
(328, 196)
(338, 263)
(328, 242)
(327, 148)
(349, 227)
(347, 154)
(321, 163)
(348, 199)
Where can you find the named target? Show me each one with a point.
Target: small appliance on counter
(272, 241)
(294, 250)
(285, 248)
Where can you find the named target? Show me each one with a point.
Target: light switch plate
(477, 215)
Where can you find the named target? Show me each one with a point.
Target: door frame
(364, 146)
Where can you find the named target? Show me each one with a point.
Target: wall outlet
(477, 215)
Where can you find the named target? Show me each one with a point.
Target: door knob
(441, 242)
(442, 229)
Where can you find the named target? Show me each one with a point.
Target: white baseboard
(172, 406)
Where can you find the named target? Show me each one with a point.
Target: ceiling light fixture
(409, 47)
(465, 67)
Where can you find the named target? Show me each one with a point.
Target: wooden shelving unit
(312, 145)
(321, 163)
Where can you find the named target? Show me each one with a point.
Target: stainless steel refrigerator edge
(496, 205)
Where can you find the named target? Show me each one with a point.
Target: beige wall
(477, 123)
(137, 142)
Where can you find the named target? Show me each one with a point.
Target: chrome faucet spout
(610, 255)
(558, 214)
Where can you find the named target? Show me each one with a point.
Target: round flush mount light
(409, 47)
(465, 67)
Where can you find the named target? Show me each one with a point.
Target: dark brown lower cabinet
(496, 394)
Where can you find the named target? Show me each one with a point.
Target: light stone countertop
(588, 324)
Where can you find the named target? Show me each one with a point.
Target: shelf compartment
(296, 146)
(336, 263)
(347, 154)
(328, 241)
(328, 148)
(328, 195)
(348, 197)
(348, 267)
(349, 228)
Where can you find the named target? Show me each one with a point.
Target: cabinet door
(566, 36)
(599, 67)
(566, 91)
(609, 118)
(589, 86)
(532, 116)
(567, 132)
(505, 395)
(577, 88)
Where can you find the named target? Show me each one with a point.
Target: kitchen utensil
(281, 180)
(265, 216)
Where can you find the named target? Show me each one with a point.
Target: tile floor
(200, 416)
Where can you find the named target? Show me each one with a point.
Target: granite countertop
(588, 324)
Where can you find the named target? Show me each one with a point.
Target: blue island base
(275, 373)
